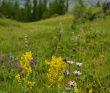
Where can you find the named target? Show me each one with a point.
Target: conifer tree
(35, 11)
(28, 11)
(40, 10)
(66, 5)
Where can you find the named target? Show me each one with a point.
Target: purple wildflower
(99, 31)
(11, 57)
(35, 63)
(78, 64)
(20, 73)
(65, 59)
(16, 58)
(16, 65)
(25, 45)
(25, 38)
(59, 47)
(79, 35)
(32, 63)
(71, 55)
(55, 56)
(10, 65)
(73, 83)
(2, 66)
(2, 61)
(70, 62)
(67, 72)
(73, 49)
(26, 41)
(77, 73)
(54, 37)
(36, 55)
(34, 30)
(81, 29)
(9, 62)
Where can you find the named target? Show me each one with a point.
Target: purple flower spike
(32, 63)
(9, 62)
(16, 65)
(78, 64)
(54, 37)
(10, 65)
(2, 61)
(35, 63)
(11, 57)
(73, 83)
(77, 73)
(70, 62)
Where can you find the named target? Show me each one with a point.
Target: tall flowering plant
(23, 77)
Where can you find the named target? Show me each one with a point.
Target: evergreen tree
(35, 11)
(40, 10)
(28, 11)
(45, 10)
(62, 8)
(66, 5)
(16, 11)
(98, 4)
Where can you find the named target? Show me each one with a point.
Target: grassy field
(92, 50)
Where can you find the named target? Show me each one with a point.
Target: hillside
(92, 50)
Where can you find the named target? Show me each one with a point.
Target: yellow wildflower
(90, 91)
(18, 78)
(55, 73)
(76, 90)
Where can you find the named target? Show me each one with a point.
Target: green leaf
(72, 90)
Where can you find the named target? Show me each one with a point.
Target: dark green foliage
(83, 13)
(98, 4)
(28, 11)
(67, 5)
(33, 12)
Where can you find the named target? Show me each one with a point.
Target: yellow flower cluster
(76, 90)
(30, 84)
(25, 63)
(90, 91)
(18, 78)
(55, 73)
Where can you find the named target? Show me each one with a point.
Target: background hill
(71, 2)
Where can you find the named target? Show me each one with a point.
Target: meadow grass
(95, 59)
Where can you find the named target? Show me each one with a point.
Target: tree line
(37, 10)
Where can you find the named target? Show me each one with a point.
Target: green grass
(95, 69)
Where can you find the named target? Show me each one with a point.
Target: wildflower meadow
(48, 56)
